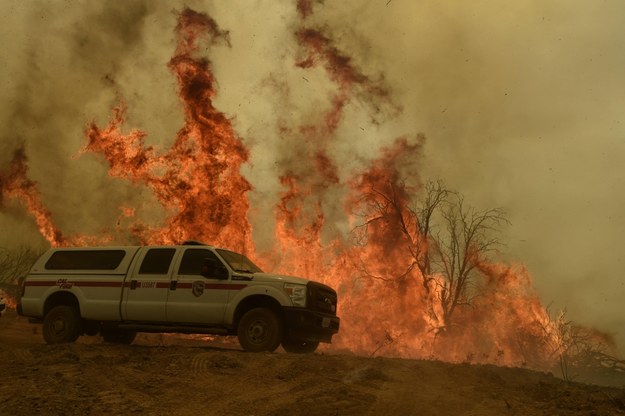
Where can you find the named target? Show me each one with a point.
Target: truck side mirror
(214, 269)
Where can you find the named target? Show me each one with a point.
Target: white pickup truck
(190, 288)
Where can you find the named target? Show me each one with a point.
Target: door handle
(133, 284)
(173, 284)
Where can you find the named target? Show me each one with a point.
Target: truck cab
(189, 288)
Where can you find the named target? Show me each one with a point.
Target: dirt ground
(178, 375)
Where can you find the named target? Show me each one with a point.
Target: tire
(118, 336)
(62, 325)
(299, 346)
(259, 330)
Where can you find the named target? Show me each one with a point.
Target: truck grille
(321, 298)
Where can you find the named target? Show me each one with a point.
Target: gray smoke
(522, 105)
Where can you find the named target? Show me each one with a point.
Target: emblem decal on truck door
(197, 288)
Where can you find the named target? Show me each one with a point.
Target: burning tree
(466, 236)
(416, 263)
(581, 352)
(442, 236)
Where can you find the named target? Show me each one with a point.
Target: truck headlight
(297, 293)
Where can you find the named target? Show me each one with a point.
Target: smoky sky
(521, 104)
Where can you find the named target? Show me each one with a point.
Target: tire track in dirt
(207, 364)
(188, 377)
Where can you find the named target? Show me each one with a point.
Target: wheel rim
(257, 332)
(59, 326)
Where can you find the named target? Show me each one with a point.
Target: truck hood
(271, 277)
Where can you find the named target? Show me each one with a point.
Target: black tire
(259, 329)
(118, 336)
(62, 325)
(299, 346)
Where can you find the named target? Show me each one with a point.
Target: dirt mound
(166, 375)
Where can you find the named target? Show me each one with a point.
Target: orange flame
(14, 183)
(199, 178)
(198, 181)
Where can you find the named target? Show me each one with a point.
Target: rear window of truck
(157, 261)
(85, 260)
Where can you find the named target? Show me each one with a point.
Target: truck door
(146, 289)
(198, 294)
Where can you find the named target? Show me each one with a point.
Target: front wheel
(62, 325)
(299, 346)
(259, 329)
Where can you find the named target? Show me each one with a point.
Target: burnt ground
(176, 375)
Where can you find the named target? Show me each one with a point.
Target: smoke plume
(521, 105)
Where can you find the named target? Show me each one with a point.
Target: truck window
(238, 262)
(157, 261)
(193, 260)
(85, 260)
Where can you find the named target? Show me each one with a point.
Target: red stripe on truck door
(80, 283)
(213, 286)
(98, 284)
(41, 283)
(160, 285)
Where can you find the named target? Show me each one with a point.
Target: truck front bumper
(310, 325)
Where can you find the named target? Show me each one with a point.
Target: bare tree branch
(443, 236)
(16, 262)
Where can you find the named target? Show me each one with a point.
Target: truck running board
(172, 329)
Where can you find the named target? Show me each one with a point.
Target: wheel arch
(60, 298)
(257, 301)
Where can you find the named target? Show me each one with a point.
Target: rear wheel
(299, 346)
(62, 325)
(118, 336)
(259, 329)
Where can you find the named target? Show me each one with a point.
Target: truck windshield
(238, 262)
